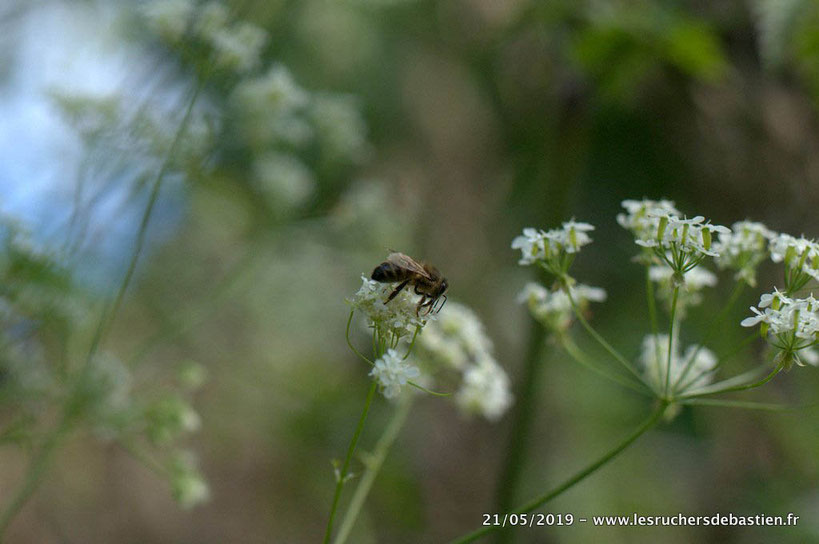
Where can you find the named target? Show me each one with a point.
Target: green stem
(652, 316)
(743, 387)
(577, 354)
(600, 340)
(373, 464)
(674, 298)
(750, 405)
(519, 435)
(712, 329)
(341, 477)
(650, 422)
(727, 356)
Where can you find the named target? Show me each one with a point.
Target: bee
(426, 279)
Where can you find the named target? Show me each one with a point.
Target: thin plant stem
(750, 405)
(600, 340)
(373, 464)
(341, 477)
(350, 343)
(712, 329)
(577, 354)
(537, 502)
(674, 298)
(743, 387)
(652, 317)
(727, 356)
(519, 435)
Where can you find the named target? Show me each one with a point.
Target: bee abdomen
(388, 272)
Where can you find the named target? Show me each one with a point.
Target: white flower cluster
(283, 180)
(235, 46)
(693, 282)
(340, 126)
(485, 390)
(793, 322)
(392, 373)
(553, 309)
(682, 243)
(743, 249)
(643, 216)
(394, 320)
(457, 340)
(552, 248)
(801, 258)
(655, 370)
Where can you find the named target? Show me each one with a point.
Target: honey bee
(426, 279)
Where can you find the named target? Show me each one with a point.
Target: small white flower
(642, 217)
(743, 249)
(188, 486)
(391, 373)
(485, 390)
(792, 324)
(798, 254)
(550, 248)
(339, 126)
(532, 245)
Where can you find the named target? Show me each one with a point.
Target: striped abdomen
(388, 272)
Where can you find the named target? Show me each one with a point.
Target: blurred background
(324, 133)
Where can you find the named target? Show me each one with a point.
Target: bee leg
(396, 291)
(421, 304)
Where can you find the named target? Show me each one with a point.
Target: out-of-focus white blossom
(743, 249)
(392, 372)
(693, 282)
(188, 486)
(238, 47)
(655, 370)
(485, 390)
(169, 18)
(552, 308)
(458, 341)
(339, 126)
(283, 179)
(455, 339)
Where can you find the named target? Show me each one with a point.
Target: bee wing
(408, 263)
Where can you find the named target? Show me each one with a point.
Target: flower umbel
(554, 250)
(743, 249)
(790, 324)
(691, 370)
(392, 372)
